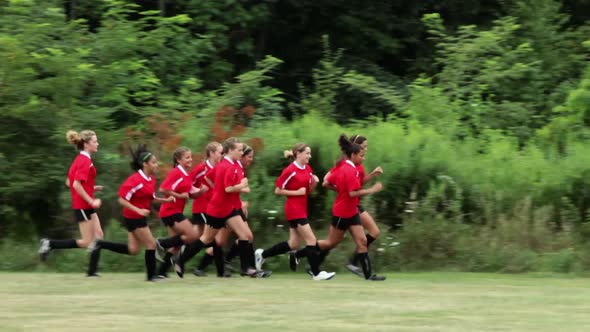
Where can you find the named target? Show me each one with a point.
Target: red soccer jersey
(83, 170)
(179, 181)
(360, 168)
(198, 175)
(225, 174)
(139, 190)
(295, 177)
(346, 179)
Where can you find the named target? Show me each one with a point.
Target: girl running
(345, 213)
(81, 181)
(367, 220)
(135, 195)
(296, 182)
(178, 184)
(221, 211)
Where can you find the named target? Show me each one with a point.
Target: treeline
(478, 113)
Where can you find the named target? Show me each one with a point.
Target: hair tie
(146, 157)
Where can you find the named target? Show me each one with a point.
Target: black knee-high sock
(169, 242)
(120, 248)
(219, 261)
(244, 252)
(205, 261)
(354, 258)
(322, 256)
(63, 244)
(150, 263)
(313, 259)
(251, 259)
(365, 264)
(93, 264)
(190, 251)
(277, 249)
(233, 252)
(165, 266)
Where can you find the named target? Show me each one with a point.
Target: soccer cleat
(44, 249)
(250, 273)
(229, 267)
(93, 275)
(156, 278)
(179, 269)
(293, 261)
(263, 274)
(355, 269)
(308, 271)
(199, 273)
(226, 274)
(160, 251)
(259, 260)
(375, 277)
(323, 275)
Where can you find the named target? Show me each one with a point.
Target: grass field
(292, 302)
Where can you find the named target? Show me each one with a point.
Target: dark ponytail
(139, 156)
(348, 148)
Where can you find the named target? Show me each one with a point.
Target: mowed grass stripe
(292, 302)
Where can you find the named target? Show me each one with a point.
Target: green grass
(293, 302)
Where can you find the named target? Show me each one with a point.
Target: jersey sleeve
(352, 180)
(284, 178)
(82, 170)
(128, 188)
(171, 181)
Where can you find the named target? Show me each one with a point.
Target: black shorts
(83, 215)
(241, 212)
(361, 210)
(133, 224)
(199, 219)
(219, 223)
(296, 222)
(344, 223)
(170, 220)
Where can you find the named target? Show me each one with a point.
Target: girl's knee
(133, 250)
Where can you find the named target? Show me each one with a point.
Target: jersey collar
(144, 176)
(348, 161)
(182, 170)
(297, 165)
(229, 159)
(85, 153)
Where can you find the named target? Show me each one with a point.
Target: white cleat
(44, 249)
(259, 260)
(323, 275)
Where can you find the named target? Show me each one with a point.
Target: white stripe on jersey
(176, 183)
(287, 181)
(132, 191)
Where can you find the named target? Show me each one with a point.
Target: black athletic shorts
(242, 214)
(83, 215)
(361, 210)
(344, 223)
(296, 222)
(219, 223)
(170, 220)
(133, 224)
(199, 219)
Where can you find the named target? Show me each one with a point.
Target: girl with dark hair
(135, 196)
(228, 183)
(223, 235)
(296, 182)
(345, 214)
(81, 181)
(178, 184)
(367, 220)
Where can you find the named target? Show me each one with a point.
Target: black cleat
(293, 261)
(375, 277)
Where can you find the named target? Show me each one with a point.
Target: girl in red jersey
(221, 210)
(345, 214)
(214, 150)
(296, 182)
(367, 220)
(179, 185)
(135, 195)
(223, 235)
(81, 181)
